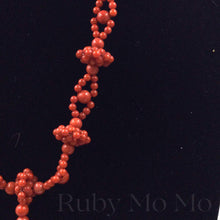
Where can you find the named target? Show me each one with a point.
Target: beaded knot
(71, 134)
(95, 56)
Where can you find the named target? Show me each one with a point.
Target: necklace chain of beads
(26, 185)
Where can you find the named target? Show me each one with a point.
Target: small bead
(28, 190)
(94, 79)
(96, 34)
(103, 17)
(55, 179)
(64, 132)
(77, 88)
(46, 186)
(82, 82)
(63, 164)
(82, 115)
(63, 172)
(92, 70)
(72, 107)
(3, 184)
(22, 201)
(96, 53)
(91, 105)
(97, 42)
(75, 114)
(17, 189)
(38, 188)
(99, 3)
(103, 35)
(112, 5)
(86, 110)
(84, 97)
(22, 210)
(76, 122)
(108, 30)
(21, 195)
(29, 200)
(73, 99)
(94, 93)
(94, 27)
(65, 179)
(22, 182)
(79, 54)
(64, 157)
(87, 77)
(76, 134)
(67, 149)
(96, 10)
(85, 59)
(113, 12)
(94, 86)
(10, 188)
(111, 23)
(93, 21)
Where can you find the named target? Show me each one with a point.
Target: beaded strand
(26, 185)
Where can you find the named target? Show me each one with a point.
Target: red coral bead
(67, 149)
(38, 188)
(22, 210)
(84, 97)
(92, 70)
(10, 188)
(103, 17)
(97, 42)
(76, 122)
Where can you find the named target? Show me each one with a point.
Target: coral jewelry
(26, 185)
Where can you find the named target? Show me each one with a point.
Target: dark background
(155, 128)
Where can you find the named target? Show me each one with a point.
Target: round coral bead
(84, 96)
(91, 105)
(67, 149)
(79, 54)
(22, 182)
(10, 188)
(93, 21)
(103, 35)
(97, 42)
(96, 34)
(55, 179)
(65, 179)
(38, 188)
(76, 122)
(92, 70)
(22, 210)
(75, 113)
(21, 195)
(87, 77)
(113, 12)
(96, 10)
(103, 17)
(111, 23)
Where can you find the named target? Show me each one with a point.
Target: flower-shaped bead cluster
(95, 55)
(71, 134)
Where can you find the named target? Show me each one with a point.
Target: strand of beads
(26, 185)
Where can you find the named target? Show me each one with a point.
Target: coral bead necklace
(26, 185)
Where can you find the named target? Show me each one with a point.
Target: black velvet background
(155, 128)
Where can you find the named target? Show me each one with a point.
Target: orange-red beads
(26, 186)
(103, 17)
